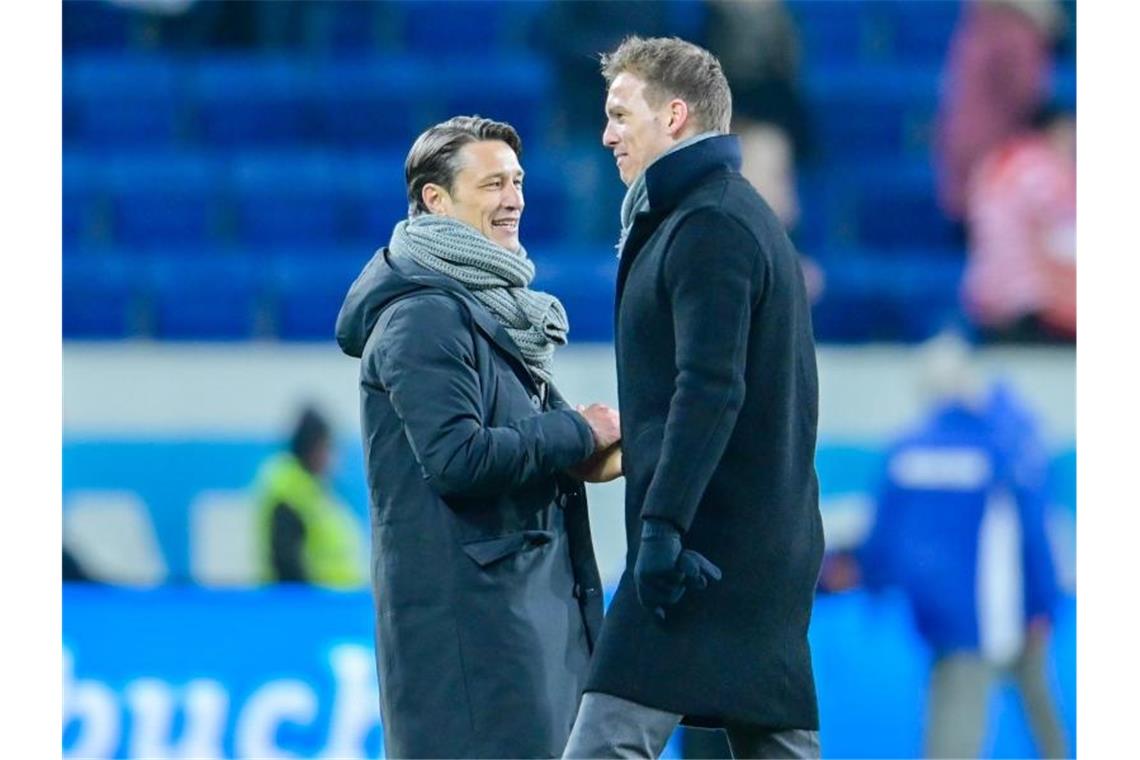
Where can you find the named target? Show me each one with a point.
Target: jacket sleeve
(425, 359)
(1029, 474)
(876, 554)
(711, 275)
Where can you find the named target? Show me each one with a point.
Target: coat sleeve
(712, 275)
(425, 359)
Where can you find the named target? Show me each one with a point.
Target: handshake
(604, 464)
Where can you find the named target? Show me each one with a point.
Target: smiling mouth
(510, 225)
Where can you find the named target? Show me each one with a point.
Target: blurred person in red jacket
(1020, 283)
(996, 77)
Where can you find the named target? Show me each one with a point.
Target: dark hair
(311, 429)
(673, 68)
(434, 156)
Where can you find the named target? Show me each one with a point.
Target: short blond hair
(674, 68)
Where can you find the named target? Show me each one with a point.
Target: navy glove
(664, 570)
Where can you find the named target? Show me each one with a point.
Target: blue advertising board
(284, 672)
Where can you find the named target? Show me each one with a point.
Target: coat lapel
(497, 334)
(667, 181)
(491, 328)
(644, 225)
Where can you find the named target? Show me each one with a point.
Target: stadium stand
(200, 161)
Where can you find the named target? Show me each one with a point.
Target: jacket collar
(670, 178)
(487, 324)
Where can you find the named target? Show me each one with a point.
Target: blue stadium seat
(84, 217)
(895, 207)
(831, 31)
(307, 289)
(548, 201)
(251, 100)
(869, 112)
(686, 19)
(460, 27)
(871, 295)
(164, 199)
(202, 297)
(584, 280)
(99, 296)
(350, 26)
(518, 92)
(1064, 92)
(814, 228)
(288, 198)
(93, 26)
(377, 200)
(369, 103)
(121, 100)
(921, 31)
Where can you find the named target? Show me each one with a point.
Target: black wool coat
(718, 398)
(486, 589)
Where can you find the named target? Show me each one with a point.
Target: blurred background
(228, 169)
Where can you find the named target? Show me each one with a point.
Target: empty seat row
(201, 295)
(146, 198)
(218, 295)
(871, 295)
(227, 100)
(842, 31)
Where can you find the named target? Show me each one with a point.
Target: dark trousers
(611, 727)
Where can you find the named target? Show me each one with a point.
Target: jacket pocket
(487, 551)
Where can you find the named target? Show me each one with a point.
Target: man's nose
(513, 197)
(609, 137)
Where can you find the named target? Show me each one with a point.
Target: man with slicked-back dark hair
(488, 600)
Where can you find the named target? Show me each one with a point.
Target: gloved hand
(664, 570)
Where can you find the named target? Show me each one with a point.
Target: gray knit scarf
(498, 278)
(637, 196)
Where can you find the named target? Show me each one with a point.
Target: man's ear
(436, 199)
(678, 117)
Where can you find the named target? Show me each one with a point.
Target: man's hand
(664, 570)
(602, 467)
(604, 422)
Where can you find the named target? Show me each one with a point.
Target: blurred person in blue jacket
(960, 528)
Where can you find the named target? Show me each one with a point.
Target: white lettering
(94, 706)
(276, 702)
(356, 710)
(950, 469)
(152, 703)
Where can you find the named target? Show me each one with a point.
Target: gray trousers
(959, 698)
(611, 727)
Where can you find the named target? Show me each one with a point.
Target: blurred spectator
(759, 49)
(960, 528)
(769, 164)
(1021, 280)
(304, 533)
(574, 33)
(996, 77)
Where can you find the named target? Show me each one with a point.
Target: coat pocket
(487, 551)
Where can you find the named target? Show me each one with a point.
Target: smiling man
(487, 593)
(717, 387)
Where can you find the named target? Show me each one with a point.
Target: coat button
(536, 402)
